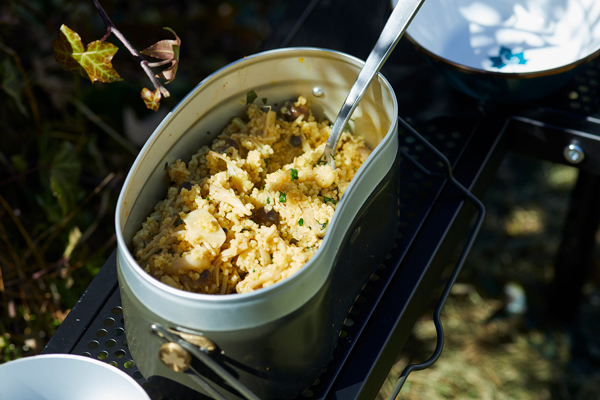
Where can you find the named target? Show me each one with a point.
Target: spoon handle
(393, 30)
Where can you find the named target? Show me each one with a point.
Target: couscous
(251, 209)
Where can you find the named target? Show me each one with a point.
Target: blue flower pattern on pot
(506, 56)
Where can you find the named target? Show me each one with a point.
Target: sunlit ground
(496, 346)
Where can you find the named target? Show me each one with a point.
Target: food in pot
(251, 209)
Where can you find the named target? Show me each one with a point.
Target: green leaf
(64, 175)
(93, 63)
(282, 197)
(251, 96)
(151, 99)
(48, 204)
(11, 84)
(294, 174)
(329, 200)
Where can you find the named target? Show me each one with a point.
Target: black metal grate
(582, 94)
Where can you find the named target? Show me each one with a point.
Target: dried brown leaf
(167, 50)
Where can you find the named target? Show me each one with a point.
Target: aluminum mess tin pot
(273, 342)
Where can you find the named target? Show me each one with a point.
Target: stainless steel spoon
(393, 30)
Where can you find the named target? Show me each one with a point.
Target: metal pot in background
(274, 342)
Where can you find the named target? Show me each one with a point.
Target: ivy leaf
(64, 174)
(151, 99)
(167, 50)
(11, 84)
(94, 63)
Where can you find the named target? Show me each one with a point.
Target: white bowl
(516, 40)
(66, 377)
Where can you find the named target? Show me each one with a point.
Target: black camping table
(435, 216)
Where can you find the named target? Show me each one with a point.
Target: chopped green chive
(251, 96)
(301, 222)
(324, 224)
(294, 173)
(282, 197)
(329, 200)
(268, 200)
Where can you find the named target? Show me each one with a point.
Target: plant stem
(110, 28)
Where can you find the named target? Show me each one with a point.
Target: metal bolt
(318, 92)
(573, 154)
(175, 357)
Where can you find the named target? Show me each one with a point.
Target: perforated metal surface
(105, 339)
(582, 94)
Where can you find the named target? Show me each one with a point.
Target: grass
(494, 348)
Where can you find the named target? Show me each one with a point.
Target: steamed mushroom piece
(201, 226)
(238, 177)
(293, 112)
(227, 196)
(296, 141)
(193, 261)
(265, 217)
(186, 185)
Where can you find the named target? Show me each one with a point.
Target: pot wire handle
(168, 336)
(459, 263)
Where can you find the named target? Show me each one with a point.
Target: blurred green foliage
(66, 144)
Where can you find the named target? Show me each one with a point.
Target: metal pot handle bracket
(177, 351)
(436, 314)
